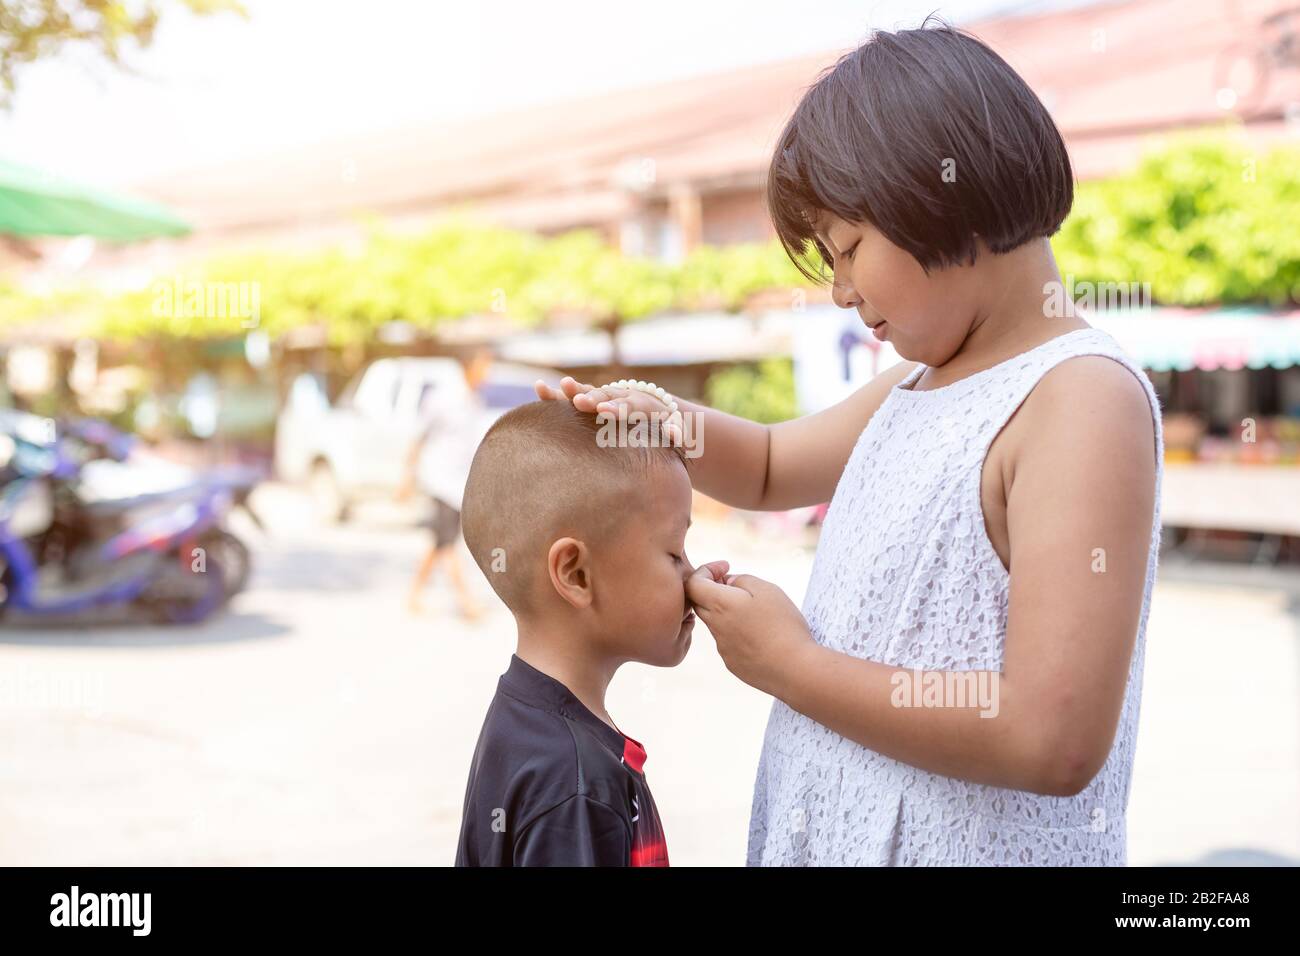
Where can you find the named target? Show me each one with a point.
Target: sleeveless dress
(904, 574)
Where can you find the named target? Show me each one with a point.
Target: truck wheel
(327, 497)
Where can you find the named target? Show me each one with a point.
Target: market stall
(1229, 383)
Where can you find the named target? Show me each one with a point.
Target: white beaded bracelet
(650, 388)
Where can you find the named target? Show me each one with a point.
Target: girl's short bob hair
(929, 136)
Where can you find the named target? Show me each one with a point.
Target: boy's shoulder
(541, 756)
(536, 725)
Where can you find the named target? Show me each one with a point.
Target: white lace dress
(905, 574)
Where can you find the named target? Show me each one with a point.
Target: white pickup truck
(358, 447)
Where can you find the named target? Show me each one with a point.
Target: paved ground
(317, 723)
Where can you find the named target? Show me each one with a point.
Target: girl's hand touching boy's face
(756, 626)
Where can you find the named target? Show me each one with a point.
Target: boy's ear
(568, 565)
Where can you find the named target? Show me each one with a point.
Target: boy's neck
(587, 676)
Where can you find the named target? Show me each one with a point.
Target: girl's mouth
(880, 330)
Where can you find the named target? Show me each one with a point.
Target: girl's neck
(1019, 314)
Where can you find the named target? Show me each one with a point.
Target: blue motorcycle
(167, 552)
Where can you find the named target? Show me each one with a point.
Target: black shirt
(554, 785)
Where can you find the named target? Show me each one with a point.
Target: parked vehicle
(63, 553)
(358, 448)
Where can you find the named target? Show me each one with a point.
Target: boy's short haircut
(929, 136)
(539, 474)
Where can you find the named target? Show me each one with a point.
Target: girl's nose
(843, 296)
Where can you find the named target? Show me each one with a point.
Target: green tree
(763, 392)
(459, 268)
(1206, 220)
(578, 272)
(31, 30)
(727, 277)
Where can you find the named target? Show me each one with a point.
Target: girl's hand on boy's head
(569, 387)
(756, 627)
(614, 401)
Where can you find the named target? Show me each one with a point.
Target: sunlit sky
(302, 71)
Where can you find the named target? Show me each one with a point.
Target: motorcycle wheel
(180, 594)
(231, 556)
(7, 584)
(185, 594)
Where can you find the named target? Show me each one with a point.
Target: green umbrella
(35, 204)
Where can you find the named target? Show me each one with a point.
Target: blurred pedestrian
(438, 463)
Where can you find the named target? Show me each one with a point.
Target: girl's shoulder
(1096, 403)
(1093, 382)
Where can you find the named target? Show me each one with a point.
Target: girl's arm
(760, 467)
(1080, 504)
(806, 456)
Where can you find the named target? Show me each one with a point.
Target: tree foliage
(1206, 220)
(762, 392)
(457, 269)
(32, 30)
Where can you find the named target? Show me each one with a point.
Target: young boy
(584, 541)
